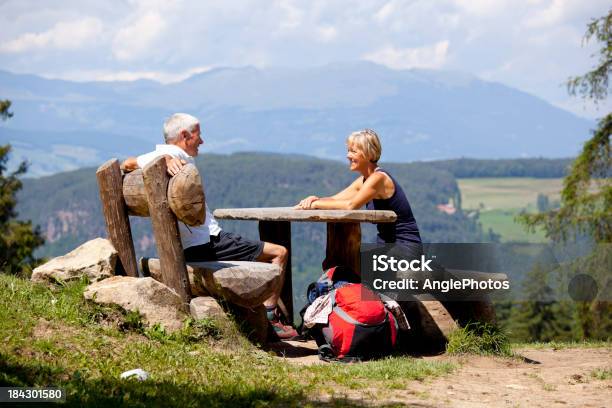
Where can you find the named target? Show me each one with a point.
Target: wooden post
(165, 229)
(185, 195)
(343, 245)
(116, 216)
(279, 232)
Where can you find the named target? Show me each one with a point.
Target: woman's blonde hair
(367, 141)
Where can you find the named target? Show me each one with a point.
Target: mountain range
(420, 114)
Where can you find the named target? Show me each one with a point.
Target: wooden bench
(242, 283)
(151, 192)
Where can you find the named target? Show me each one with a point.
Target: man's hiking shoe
(282, 331)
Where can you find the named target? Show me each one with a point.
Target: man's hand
(129, 164)
(174, 165)
(306, 204)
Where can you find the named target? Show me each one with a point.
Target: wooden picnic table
(343, 234)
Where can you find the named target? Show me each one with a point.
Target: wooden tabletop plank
(291, 214)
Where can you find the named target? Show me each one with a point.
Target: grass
(559, 345)
(545, 386)
(479, 338)
(500, 200)
(53, 337)
(602, 374)
(387, 370)
(503, 222)
(507, 192)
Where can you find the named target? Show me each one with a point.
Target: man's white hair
(176, 123)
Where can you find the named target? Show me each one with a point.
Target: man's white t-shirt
(190, 236)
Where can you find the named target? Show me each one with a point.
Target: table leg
(343, 245)
(279, 232)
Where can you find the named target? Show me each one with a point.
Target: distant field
(506, 193)
(502, 222)
(501, 199)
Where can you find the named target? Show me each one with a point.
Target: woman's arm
(348, 192)
(345, 194)
(365, 193)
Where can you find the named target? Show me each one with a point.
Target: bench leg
(343, 245)
(279, 232)
(165, 229)
(116, 216)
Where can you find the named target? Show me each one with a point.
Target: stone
(95, 259)
(252, 322)
(435, 319)
(155, 302)
(243, 283)
(430, 324)
(204, 307)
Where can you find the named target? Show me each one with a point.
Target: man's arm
(174, 165)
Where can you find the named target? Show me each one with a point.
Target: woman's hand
(306, 204)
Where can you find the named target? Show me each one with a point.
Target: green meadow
(51, 336)
(499, 200)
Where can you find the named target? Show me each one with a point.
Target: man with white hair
(209, 242)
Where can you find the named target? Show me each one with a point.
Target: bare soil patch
(549, 378)
(542, 378)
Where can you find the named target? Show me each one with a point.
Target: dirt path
(546, 378)
(555, 378)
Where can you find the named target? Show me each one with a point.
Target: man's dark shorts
(225, 247)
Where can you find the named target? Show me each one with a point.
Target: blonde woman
(375, 188)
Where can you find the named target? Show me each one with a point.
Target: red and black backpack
(359, 326)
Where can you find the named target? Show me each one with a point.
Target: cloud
(385, 12)
(293, 16)
(159, 76)
(64, 35)
(548, 16)
(164, 77)
(531, 44)
(431, 56)
(481, 8)
(326, 33)
(136, 39)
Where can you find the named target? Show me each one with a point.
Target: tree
(541, 317)
(17, 238)
(586, 198)
(594, 84)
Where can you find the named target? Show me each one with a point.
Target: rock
(435, 319)
(252, 322)
(95, 259)
(155, 302)
(430, 323)
(246, 284)
(204, 307)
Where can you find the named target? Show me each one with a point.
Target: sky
(532, 45)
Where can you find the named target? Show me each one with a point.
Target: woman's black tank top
(404, 229)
